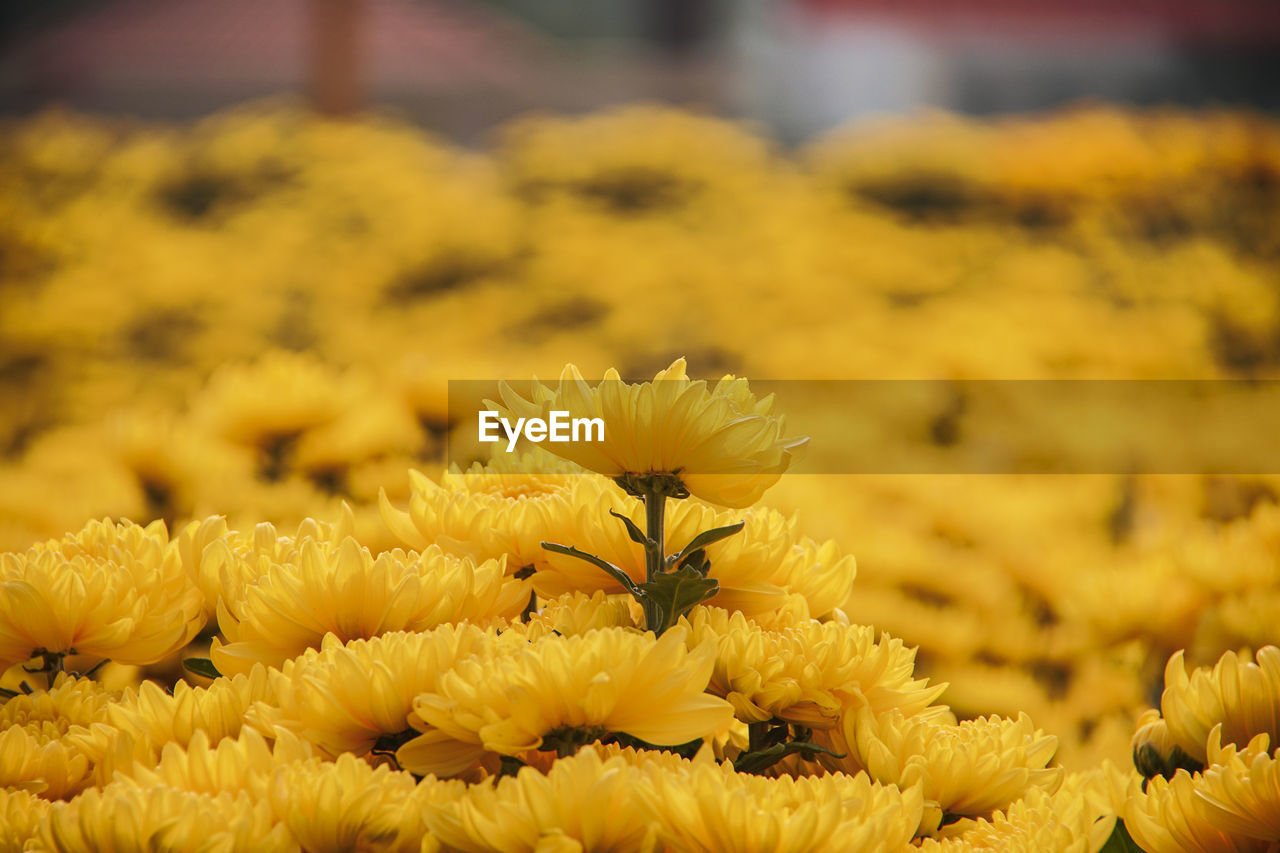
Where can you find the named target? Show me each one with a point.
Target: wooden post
(335, 73)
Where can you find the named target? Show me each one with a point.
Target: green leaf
(763, 759)
(708, 537)
(616, 573)
(696, 560)
(676, 593)
(1120, 841)
(202, 667)
(637, 536)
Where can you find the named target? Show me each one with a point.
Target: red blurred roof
(1188, 21)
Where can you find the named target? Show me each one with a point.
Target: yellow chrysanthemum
(345, 698)
(334, 807)
(487, 515)
(205, 765)
(577, 613)
(277, 398)
(757, 567)
(721, 443)
(574, 689)
(1242, 788)
(112, 590)
(20, 816)
(972, 768)
(1241, 695)
(810, 673)
(585, 802)
(1078, 818)
(47, 739)
(347, 592)
(154, 717)
(222, 561)
(1170, 816)
(711, 809)
(125, 817)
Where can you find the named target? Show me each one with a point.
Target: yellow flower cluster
(244, 329)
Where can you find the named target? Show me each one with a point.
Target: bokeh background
(244, 246)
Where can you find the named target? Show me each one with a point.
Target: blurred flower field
(238, 335)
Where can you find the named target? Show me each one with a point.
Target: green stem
(654, 553)
(655, 504)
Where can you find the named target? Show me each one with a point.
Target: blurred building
(801, 65)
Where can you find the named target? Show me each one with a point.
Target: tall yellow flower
(113, 590)
(1241, 695)
(347, 592)
(718, 443)
(570, 690)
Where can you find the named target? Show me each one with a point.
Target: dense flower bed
(238, 335)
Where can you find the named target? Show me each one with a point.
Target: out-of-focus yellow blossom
(273, 400)
(347, 592)
(20, 815)
(1242, 695)
(125, 817)
(48, 739)
(584, 802)
(1242, 787)
(572, 690)
(973, 768)
(711, 808)
(333, 807)
(719, 443)
(490, 515)
(810, 673)
(112, 590)
(346, 697)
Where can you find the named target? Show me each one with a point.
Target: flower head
(48, 739)
(1241, 695)
(710, 807)
(571, 690)
(972, 768)
(113, 590)
(345, 591)
(718, 443)
(809, 673)
(584, 802)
